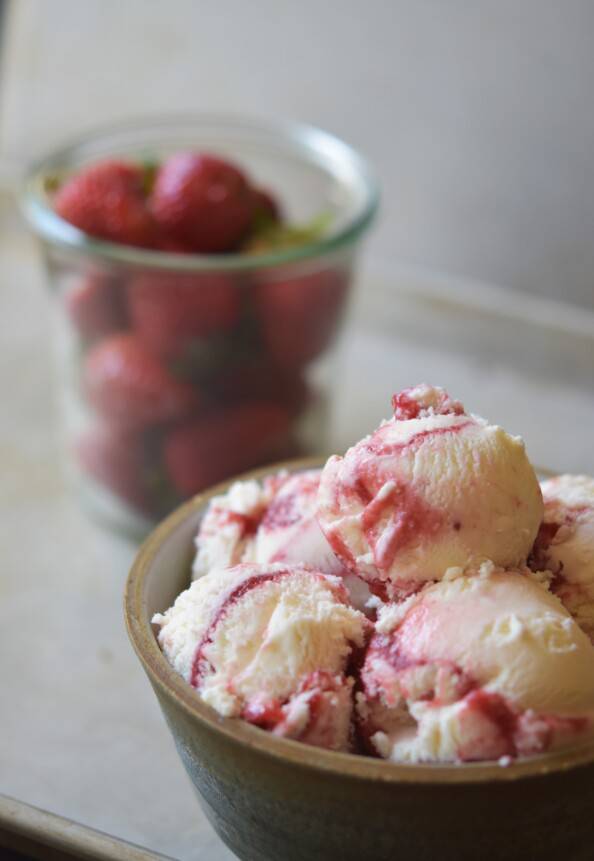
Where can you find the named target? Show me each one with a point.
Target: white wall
(478, 115)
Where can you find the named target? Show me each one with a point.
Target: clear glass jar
(240, 345)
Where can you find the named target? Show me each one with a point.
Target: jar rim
(312, 144)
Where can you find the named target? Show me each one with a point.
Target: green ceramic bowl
(272, 799)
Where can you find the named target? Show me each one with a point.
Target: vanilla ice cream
(272, 521)
(227, 530)
(270, 643)
(431, 489)
(476, 667)
(477, 644)
(565, 544)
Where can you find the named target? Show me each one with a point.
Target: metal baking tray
(28, 832)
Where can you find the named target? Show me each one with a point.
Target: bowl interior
(163, 569)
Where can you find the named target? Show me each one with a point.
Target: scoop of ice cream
(289, 531)
(274, 521)
(227, 530)
(271, 644)
(478, 667)
(565, 544)
(431, 489)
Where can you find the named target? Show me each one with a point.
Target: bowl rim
(317, 145)
(295, 753)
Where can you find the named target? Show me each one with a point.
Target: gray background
(477, 115)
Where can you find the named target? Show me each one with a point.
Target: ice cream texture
(269, 643)
(271, 521)
(477, 667)
(565, 544)
(475, 644)
(431, 489)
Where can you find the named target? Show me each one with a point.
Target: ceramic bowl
(272, 799)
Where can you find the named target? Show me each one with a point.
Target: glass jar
(231, 354)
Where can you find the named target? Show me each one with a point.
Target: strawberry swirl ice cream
(431, 489)
(565, 544)
(474, 668)
(412, 601)
(274, 521)
(271, 644)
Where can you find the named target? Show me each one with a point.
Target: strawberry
(115, 458)
(107, 201)
(124, 382)
(298, 316)
(267, 209)
(170, 246)
(258, 381)
(169, 312)
(200, 452)
(95, 306)
(202, 201)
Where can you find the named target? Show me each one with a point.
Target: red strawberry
(95, 306)
(170, 311)
(202, 451)
(106, 200)
(170, 246)
(115, 458)
(258, 381)
(124, 382)
(267, 209)
(299, 315)
(202, 202)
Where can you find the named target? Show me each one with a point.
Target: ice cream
(473, 668)
(565, 544)
(226, 534)
(431, 489)
(471, 648)
(272, 521)
(269, 643)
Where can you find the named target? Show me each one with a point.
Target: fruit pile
(190, 376)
